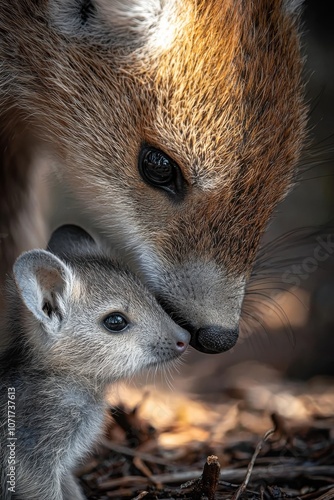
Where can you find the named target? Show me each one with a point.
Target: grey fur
(61, 360)
(292, 6)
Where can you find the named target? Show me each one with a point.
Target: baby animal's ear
(44, 283)
(70, 240)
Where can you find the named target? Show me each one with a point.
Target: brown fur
(243, 65)
(224, 99)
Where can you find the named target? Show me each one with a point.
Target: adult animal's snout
(214, 339)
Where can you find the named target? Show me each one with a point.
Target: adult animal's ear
(123, 23)
(44, 283)
(292, 6)
(70, 240)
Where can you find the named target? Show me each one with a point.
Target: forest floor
(268, 440)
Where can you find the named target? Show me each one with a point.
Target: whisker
(255, 319)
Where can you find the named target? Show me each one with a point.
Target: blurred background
(288, 319)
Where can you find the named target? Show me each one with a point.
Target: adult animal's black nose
(214, 339)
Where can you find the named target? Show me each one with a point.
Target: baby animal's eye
(159, 170)
(115, 322)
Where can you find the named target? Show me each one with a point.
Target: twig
(329, 495)
(250, 467)
(123, 481)
(86, 468)
(124, 450)
(141, 495)
(313, 495)
(279, 425)
(122, 493)
(137, 462)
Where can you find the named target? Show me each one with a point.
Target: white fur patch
(153, 23)
(135, 16)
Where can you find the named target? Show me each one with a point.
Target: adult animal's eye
(115, 323)
(159, 170)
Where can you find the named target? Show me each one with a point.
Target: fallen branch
(272, 472)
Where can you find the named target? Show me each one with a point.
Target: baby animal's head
(87, 316)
